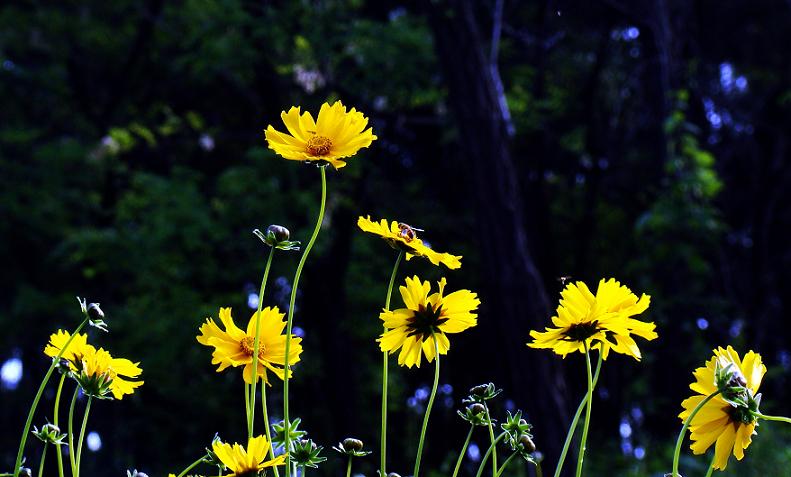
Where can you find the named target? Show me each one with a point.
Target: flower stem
(191, 466)
(55, 413)
(463, 450)
(711, 467)
(349, 467)
(488, 453)
(292, 301)
(41, 464)
(383, 451)
(575, 421)
(82, 433)
(586, 425)
(539, 472)
(256, 344)
(72, 452)
(505, 464)
(247, 410)
(683, 432)
(491, 439)
(41, 387)
(268, 432)
(772, 418)
(428, 407)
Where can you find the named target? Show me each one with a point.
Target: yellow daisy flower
(336, 134)
(728, 426)
(95, 369)
(246, 462)
(425, 319)
(234, 347)
(401, 236)
(602, 321)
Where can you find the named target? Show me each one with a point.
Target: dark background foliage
(646, 141)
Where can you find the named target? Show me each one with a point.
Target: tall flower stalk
(589, 403)
(383, 450)
(256, 344)
(291, 304)
(428, 409)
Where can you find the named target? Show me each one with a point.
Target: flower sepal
(294, 433)
(482, 393)
(305, 453)
(475, 414)
(49, 434)
(351, 447)
(95, 385)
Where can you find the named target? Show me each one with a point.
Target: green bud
(353, 444)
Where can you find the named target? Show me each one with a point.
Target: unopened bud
(353, 444)
(527, 443)
(281, 233)
(479, 390)
(95, 312)
(477, 408)
(393, 474)
(25, 472)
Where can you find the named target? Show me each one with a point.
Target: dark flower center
(425, 321)
(319, 145)
(740, 415)
(581, 331)
(248, 343)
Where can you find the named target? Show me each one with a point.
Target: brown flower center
(248, 343)
(319, 145)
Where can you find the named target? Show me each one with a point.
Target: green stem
(491, 439)
(82, 433)
(586, 425)
(268, 432)
(55, 414)
(428, 407)
(191, 466)
(40, 391)
(505, 464)
(684, 428)
(383, 451)
(349, 467)
(291, 304)
(488, 453)
(772, 418)
(539, 472)
(43, 457)
(575, 421)
(256, 344)
(247, 410)
(463, 451)
(711, 467)
(72, 452)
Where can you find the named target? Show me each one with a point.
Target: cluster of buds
(49, 434)
(518, 436)
(305, 453)
(277, 236)
(351, 447)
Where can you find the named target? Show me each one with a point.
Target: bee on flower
(403, 237)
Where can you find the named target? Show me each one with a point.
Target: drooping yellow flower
(727, 424)
(401, 236)
(336, 134)
(95, 370)
(425, 319)
(234, 347)
(73, 353)
(246, 462)
(602, 321)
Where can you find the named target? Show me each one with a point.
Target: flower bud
(25, 472)
(280, 233)
(476, 408)
(527, 443)
(393, 474)
(479, 390)
(95, 312)
(353, 444)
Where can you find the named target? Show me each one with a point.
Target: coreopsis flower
(334, 135)
(99, 374)
(246, 462)
(96, 370)
(426, 319)
(401, 236)
(726, 422)
(602, 321)
(234, 347)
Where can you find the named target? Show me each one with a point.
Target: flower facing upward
(334, 135)
(603, 321)
(401, 236)
(234, 347)
(729, 424)
(425, 319)
(246, 462)
(96, 370)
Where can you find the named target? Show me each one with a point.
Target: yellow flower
(234, 347)
(401, 236)
(730, 426)
(602, 321)
(336, 134)
(243, 462)
(425, 319)
(95, 369)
